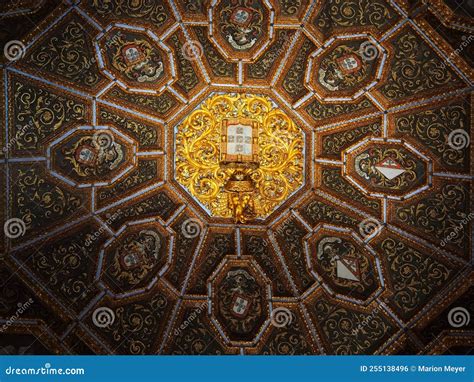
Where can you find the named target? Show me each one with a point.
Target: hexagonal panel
(346, 68)
(239, 305)
(134, 259)
(241, 29)
(239, 156)
(343, 264)
(91, 156)
(386, 168)
(136, 59)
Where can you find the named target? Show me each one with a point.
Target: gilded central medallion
(239, 156)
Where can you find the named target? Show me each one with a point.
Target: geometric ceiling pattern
(236, 177)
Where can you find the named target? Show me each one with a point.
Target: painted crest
(135, 58)
(344, 68)
(349, 63)
(94, 155)
(240, 305)
(131, 260)
(242, 16)
(389, 168)
(241, 24)
(240, 301)
(133, 54)
(86, 154)
(348, 268)
(239, 140)
(339, 259)
(136, 256)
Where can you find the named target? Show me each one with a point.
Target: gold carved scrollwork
(280, 153)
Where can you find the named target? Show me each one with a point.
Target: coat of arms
(135, 58)
(241, 25)
(95, 155)
(343, 69)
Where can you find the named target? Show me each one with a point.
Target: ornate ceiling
(236, 177)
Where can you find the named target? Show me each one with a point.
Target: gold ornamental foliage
(280, 152)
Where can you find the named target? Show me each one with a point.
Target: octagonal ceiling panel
(239, 300)
(92, 155)
(236, 176)
(344, 265)
(388, 169)
(346, 68)
(135, 259)
(136, 59)
(239, 156)
(241, 29)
